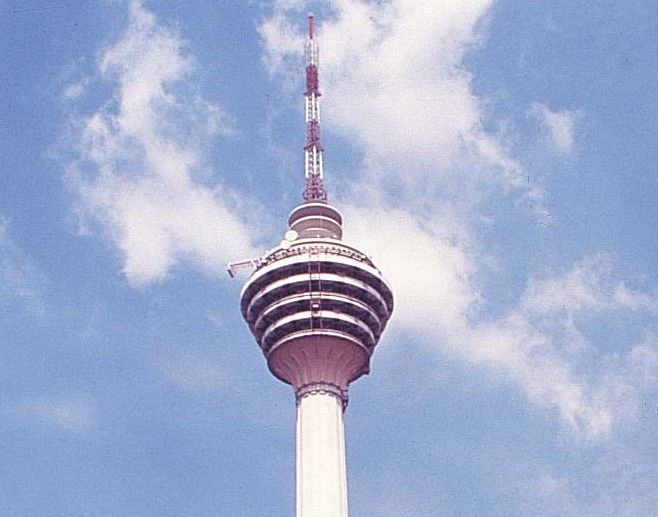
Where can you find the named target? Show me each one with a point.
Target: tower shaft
(321, 470)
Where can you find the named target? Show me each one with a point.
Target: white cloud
(430, 272)
(643, 360)
(193, 373)
(75, 89)
(591, 285)
(559, 126)
(140, 164)
(71, 412)
(549, 485)
(635, 300)
(588, 392)
(285, 44)
(531, 345)
(21, 282)
(586, 286)
(437, 298)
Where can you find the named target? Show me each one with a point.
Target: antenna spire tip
(311, 17)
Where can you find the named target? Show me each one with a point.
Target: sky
(496, 158)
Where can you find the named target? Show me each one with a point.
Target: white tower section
(321, 471)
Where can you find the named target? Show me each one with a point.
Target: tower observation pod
(317, 307)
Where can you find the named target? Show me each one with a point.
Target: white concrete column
(321, 472)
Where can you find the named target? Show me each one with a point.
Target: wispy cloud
(140, 167)
(21, 281)
(70, 412)
(193, 372)
(531, 344)
(643, 360)
(75, 89)
(558, 126)
(591, 284)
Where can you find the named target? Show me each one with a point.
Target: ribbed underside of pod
(317, 310)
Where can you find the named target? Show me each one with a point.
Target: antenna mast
(313, 171)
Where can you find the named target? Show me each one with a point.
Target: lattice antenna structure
(313, 169)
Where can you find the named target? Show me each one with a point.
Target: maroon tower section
(313, 168)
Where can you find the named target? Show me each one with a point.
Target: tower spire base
(314, 189)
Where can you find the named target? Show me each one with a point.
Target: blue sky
(497, 159)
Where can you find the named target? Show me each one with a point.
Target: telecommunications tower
(317, 307)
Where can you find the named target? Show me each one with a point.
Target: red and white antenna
(313, 171)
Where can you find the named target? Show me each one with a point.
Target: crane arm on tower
(237, 266)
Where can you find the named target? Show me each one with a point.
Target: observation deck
(316, 305)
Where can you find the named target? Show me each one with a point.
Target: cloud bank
(140, 171)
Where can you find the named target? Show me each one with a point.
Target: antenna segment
(313, 171)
